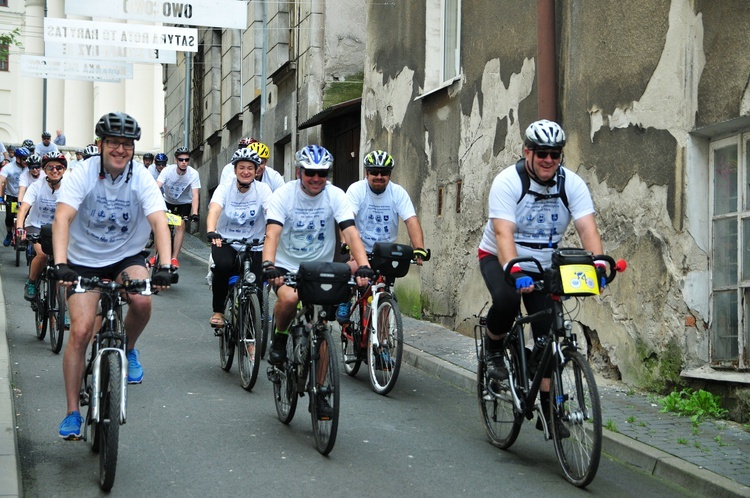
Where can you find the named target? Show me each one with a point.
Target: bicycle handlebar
(142, 287)
(615, 267)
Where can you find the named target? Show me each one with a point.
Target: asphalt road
(193, 431)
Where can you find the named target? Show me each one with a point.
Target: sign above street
(34, 66)
(109, 53)
(120, 34)
(204, 13)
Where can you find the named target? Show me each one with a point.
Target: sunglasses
(161, 164)
(54, 168)
(35, 166)
(542, 154)
(379, 172)
(322, 173)
(183, 159)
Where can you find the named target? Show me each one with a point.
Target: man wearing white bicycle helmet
(301, 225)
(531, 204)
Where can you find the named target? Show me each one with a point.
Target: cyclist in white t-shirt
(160, 162)
(236, 211)
(37, 209)
(181, 184)
(31, 174)
(301, 225)
(10, 175)
(105, 211)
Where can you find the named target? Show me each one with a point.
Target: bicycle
(50, 302)
(242, 318)
(311, 350)
(173, 220)
(380, 342)
(105, 381)
(574, 409)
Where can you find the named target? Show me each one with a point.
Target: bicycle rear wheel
(285, 387)
(350, 342)
(248, 360)
(227, 334)
(326, 387)
(501, 421)
(109, 419)
(384, 362)
(42, 308)
(580, 413)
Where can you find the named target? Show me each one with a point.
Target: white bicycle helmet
(544, 134)
(314, 157)
(245, 155)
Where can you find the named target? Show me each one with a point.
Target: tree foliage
(8, 40)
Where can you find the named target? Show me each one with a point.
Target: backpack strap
(526, 184)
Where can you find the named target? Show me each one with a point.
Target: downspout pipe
(546, 50)
(263, 69)
(188, 82)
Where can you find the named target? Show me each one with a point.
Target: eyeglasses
(114, 144)
(379, 172)
(54, 168)
(322, 173)
(183, 159)
(542, 154)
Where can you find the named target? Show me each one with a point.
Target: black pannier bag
(324, 283)
(45, 239)
(391, 260)
(572, 274)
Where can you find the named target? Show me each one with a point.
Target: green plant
(681, 440)
(610, 425)
(719, 441)
(696, 404)
(630, 419)
(409, 301)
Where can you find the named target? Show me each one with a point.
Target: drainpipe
(263, 76)
(188, 81)
(546, 76)
(44, 86)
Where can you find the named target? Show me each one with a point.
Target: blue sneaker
(70, 427)
(8, 239)
(342, 312)
(384, 361)
(135, 370)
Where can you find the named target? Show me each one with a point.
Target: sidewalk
(710, 460)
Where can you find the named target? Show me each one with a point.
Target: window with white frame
(443, 43)
(730, 227)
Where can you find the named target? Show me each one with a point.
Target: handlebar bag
(45, 239)
(572, 274)
(323, 283)
(391, 260)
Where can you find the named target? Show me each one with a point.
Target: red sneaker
(175, 263)
(152, 261)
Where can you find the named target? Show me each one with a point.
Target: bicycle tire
(42, 308)
(227, 334)
(580, 453)
(248, 361)
(18, 248)
(109, 420)
(56, 338)
(350, 350)
(268, 320)
(54, 317)
(501, 421)
(325, 430)
(285, 387)
(384, 361)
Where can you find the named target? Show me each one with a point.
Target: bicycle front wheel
(502, 422)
(324, 396)
(285, 387)
(109, 420)
(58, 309)
(42, 308)
(384, 360)
(268, 322)
(350, 342)
(248, 360)
(227, 334)
(577, 430)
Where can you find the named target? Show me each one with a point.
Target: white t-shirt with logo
(43, 201)
(270, 177)
(537, 221)
(242, 214)
(376, 215)
(12, 172)
(309, 223)
(178, 189)
(111, 223)
(26, 179)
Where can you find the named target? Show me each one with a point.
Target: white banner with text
(109, 53)
(34, 66)
(204, 13)
(120, 34)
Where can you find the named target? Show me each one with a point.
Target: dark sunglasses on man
(322, 173)
(379, 172)
(542, 154)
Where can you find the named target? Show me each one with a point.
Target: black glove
(344, 248)
(421, 253)
(364, 272)
(65, 274)
(271, 273)
(213, 235)
(194, 218)
(162, 277)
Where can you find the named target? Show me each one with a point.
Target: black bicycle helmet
(33, 160)
(148, 155)
(90, 150)
(379, 159)
(29, 144)
(46, 134)
(181, 150)
(118, 124)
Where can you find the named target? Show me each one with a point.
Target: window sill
(708, 373)
(442, 86)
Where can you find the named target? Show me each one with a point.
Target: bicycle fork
(97, 387)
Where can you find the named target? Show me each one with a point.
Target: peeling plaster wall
(635, 81)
